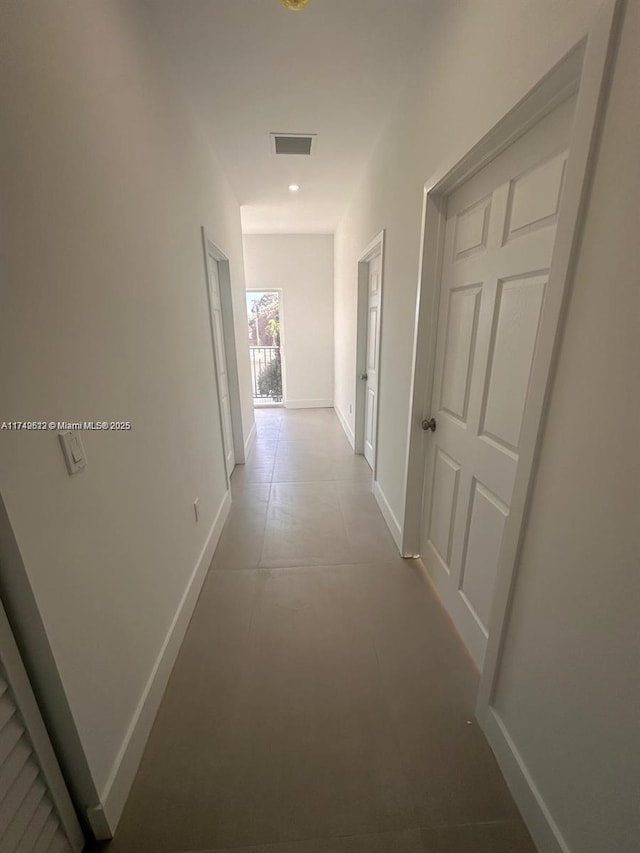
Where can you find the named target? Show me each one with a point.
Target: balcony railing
(266, 374)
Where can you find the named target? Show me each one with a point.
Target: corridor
(321, 702)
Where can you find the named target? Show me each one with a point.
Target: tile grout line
(346, 837)
(266, 515)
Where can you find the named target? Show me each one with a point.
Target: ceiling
(251, 67)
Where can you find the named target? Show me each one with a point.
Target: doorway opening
(264, 326)
(223, 339)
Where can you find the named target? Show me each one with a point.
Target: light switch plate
(72, 450)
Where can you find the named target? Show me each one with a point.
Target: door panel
(226, 423)
(486, 520)
(535, 196)
(218, 336)
(462, 321)
(372, 337)
(517, 313)
(221, 364)
(445, 486)
(498, 243)
(372, 360)
(471, 229)
(370, 417)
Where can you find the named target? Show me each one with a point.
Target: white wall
(302, 266)
(568, 694)
(477, 62)
(569, 688)
(106, 180)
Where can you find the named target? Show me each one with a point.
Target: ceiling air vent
(293, 143)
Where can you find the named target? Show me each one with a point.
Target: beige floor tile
(509, 837)
(249, 493)
(304, 526)
(317, 433)
(172, 803)
(370, 541)
(404, 841)
(313, 753)
(430, 686)
(267, 429)
(298, 469)
(258, 468)
(321, 701)
(241, 542)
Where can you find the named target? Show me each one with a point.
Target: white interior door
(499, 238)
(221, 364)
(36, 814)
(373, 353)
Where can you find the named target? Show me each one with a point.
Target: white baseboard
(387, 512)
(308, 404)
(127, 762)
(544, 830)
(98, 823)
(250, 441)
(345, 426)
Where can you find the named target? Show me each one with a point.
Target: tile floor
(321, 702)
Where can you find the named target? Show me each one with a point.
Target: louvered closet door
(36, 815)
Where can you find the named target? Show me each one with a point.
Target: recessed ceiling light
(293, 188)
(294, 4)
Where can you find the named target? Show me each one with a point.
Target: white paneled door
(221, 363)
(498, 243)
(373, 354)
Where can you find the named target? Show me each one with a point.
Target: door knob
(364, 376)
(429, 424)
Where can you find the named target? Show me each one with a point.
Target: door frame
(375, 247)
(212, 250)
(585, 69)
(283, 366)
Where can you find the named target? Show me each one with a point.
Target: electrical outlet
(196, 509)
(350, 409)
